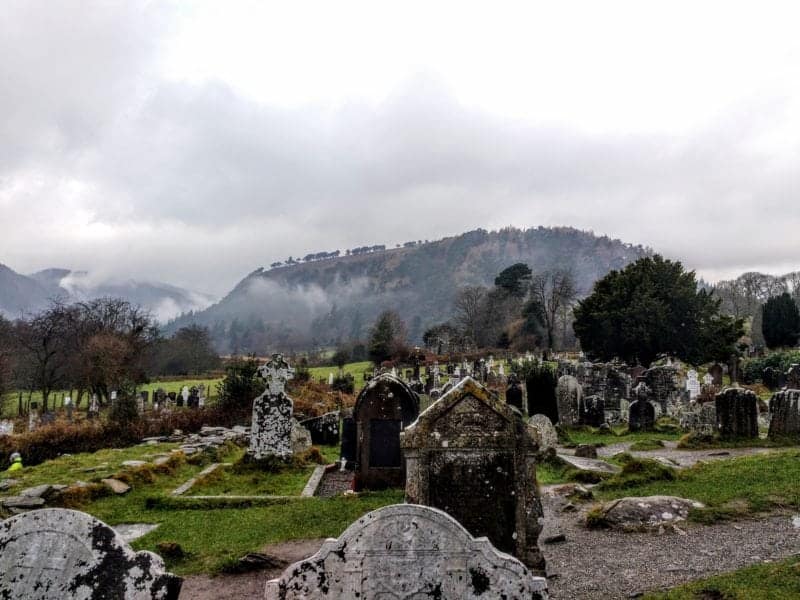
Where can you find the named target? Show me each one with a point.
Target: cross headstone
(277, 373)
(272, 422)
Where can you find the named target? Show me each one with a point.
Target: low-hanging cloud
(109, 167)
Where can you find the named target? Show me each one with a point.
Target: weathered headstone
(641, 413)
(56, 553)
(692, 384)
(474, 457)
(793, 377)
(785, 409)
(546, 434)
(737, 413)
(716, 372)
(514, 393)
(407, 552)
(708, 379)
(662, 383)
(271, 428)
(570, 399)
(383, 408)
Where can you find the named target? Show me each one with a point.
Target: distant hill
(336, 296)
(26, 294)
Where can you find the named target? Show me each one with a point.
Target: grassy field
(778, 581)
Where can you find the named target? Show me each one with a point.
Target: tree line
(95, 347)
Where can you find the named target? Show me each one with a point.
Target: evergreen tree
(780, 321)
(653, 307)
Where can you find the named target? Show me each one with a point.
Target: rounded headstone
(546, 433)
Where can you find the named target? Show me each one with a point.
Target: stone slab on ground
(116, 486)
(133, 531)
(589, 464)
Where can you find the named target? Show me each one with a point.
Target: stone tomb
(56, 553)
(271, 429)
(737, 413)
(407, 552)
(383, 408)
(473, 456)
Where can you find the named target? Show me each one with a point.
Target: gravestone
(716, 372)
(407, 552)
(514, 393)
(383, 408)
(793, 377)
(708, 380)
(617, 388)
(473, 456)
(324, 429)
(56, 553)
(692, 384)
(593, 411)
(546, 434)
(737, 413)
(641, 413)
(6, 427)
(785, 409)
(570, 398)
(662, 383)
(33, 416)
(272, 422)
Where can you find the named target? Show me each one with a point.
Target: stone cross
(276, 373)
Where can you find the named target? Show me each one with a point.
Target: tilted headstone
(570, 398)
(785, 409)
(473, 456)
(641, 413)
(383, 408)
(737, 413)
(57, 553)
(272, 422)
(407, 552)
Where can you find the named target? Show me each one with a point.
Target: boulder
(636, 514)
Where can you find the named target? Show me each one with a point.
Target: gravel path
(605, 564)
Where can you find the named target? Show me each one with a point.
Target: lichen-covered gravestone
(407, 552)
(474, 457)
(324, 429)
(570, 397)
(785, 409)
(737, 413)
(55, 554)
(383, 408)
(546, 434)
(271, 429)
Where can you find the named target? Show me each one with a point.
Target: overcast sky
(194, 142)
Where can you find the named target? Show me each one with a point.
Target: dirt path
(612, 565)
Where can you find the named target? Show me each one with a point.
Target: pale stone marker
(692, 384)
(54, 554)
(406, 551)
(271, 430)
(546, 433)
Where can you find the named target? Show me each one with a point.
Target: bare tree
(469, 311)
(552, 292)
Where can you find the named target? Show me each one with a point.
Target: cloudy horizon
(192, 143)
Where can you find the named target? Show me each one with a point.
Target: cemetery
(459, 479)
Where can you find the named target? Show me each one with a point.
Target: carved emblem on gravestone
(58, 553)
(276, 373)
(406, 552)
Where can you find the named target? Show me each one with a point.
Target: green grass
(775, 581)
(589, 435)
(645, 445)
(355, 369)
(729, 488)
(212, 539)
